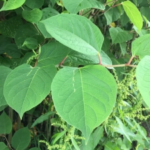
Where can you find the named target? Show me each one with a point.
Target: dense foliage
(74, 75)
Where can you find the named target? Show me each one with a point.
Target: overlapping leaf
(143, 79)
(76, 32)
(141, 46)
(84, 97)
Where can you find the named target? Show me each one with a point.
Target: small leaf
(119, 36)
(84, 97)
(3, 74)
(42, 118)
(3, 146)
(33, 15)
(21, 139)
(12, 4)
(75, 32)
(111, 146)
(143, 79)
(57, 136)
(133, 13)
(141, 46)
(5, 124)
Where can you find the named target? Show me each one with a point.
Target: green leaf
(42, 118)
(145, 12)
(93, 140)
(49, 12)
(76, 6)
(123, 48)
(12, 4)
(26, 86)
(119, 36)
(57, 136)
(3, 74)
(141, 46)
(133, 14)
(111, 146)
(3, 146)
(30, 43)
(84, 97)
(76, 32)
(112, 15)
(52, 53)
(33, 15)
(35, 148)
(5, 124)
(34, 3)
(122, 129)
(76, 59)
(21, 139)
(143, 79)
(71, 6)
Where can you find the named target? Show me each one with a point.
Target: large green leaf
(26, 86)
(133, 13)
(12, 4)
(76, 32)
(84, 97)
(143, 79)
(119, 36)
(3, 146)
(141, 46)
(3, 74)
(33, 15)
(5, 124)
(21, 139)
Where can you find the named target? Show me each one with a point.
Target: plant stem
(121, 65)
(99, 57)
(130, 60)
(63, 61)
(11, 117)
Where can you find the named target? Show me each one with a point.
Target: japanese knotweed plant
(83, 96)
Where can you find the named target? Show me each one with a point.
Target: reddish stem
(63, 61)
(130, 60)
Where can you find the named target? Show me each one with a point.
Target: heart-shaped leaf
(74, 31)
(143, 79)
(84, 97)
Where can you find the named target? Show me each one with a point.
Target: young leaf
(5, 124)
(33, 15)
(143, 79)
(12, 4)
(75, 32)
(133, 13)
(119, 36)
(3, 74)
(3, 146)
(84, 97)
(26, 86)
(21, 139)
(141, 46)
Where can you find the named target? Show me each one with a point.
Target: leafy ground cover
(74, 75)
